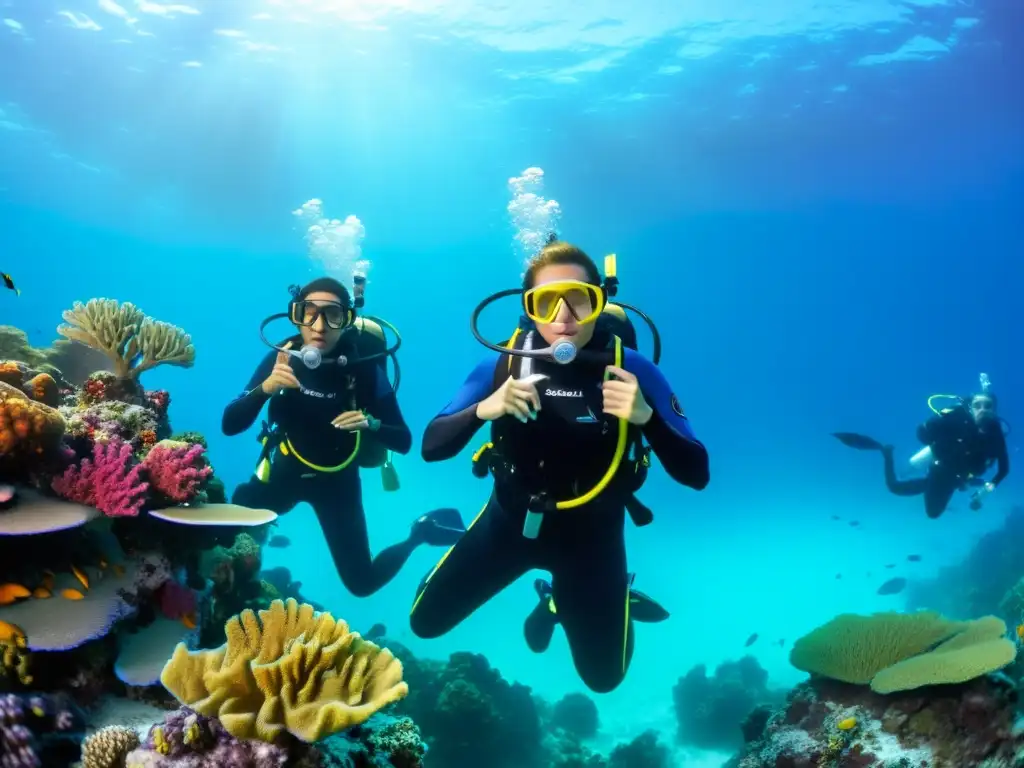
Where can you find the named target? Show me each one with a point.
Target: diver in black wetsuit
(559, 434)
(329, 421)
(961, 444)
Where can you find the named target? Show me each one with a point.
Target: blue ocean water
(820, 205)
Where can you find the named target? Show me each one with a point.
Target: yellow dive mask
(584, 301)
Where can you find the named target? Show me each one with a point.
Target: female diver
(332, 413)
(562, 417)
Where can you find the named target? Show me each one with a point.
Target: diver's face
(319, 334)
(982, 409)
(564, 326)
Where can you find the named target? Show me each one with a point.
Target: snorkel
(312, 356)
(565, 351)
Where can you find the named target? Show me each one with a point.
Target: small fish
(9, 283)
(72, 594)
(41, 593)
(854, 523)
(836, 517)
(839, 576)
(82, 578)
(1020, 632)
(11, 592)
(376, 632)
(848, 724)
(914, 558)
(892, 586)
(750, 640)
(189, 620)
(118, 570)
(279, 541)
(12, 632)
(890, 565)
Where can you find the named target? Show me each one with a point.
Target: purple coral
(190, 740)
(37, 731)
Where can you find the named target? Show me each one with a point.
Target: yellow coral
(981, 648)
(854, 648)
(122, 332)
(289, 669)
(108, 747)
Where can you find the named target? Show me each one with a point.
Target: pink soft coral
(176, 470)
(109, 481)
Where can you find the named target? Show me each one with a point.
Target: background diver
(327, 422)
(961, 443)
(561, 474)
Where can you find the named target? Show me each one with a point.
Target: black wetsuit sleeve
(452, 429)
(242, 412)
(394, 433)
(1002, 458)
(684, 457)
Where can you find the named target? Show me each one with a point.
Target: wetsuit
(304, 416)
(962, 451)
(563, 452)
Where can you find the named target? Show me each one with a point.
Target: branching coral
(124, 333)
(109, 481)
(176, 470)
(288, 670)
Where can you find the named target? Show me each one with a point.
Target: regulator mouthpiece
(563, 352)
(310, 356)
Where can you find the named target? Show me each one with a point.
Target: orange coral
(26, 426)
(44, 389)
(11, 373)
(148, 437)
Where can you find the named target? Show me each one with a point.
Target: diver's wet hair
(322, 285)
(558, 253)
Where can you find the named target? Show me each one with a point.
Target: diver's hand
(354, 421)
(623, 398)
(515, 397)
(282, 377)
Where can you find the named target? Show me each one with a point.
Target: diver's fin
(645, 609)
(860, 442)
(440, 528)
(539, 627)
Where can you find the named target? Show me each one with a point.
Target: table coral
(289, 669)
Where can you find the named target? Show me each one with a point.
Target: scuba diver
(332, 410)
(961, 443)
(566, 401)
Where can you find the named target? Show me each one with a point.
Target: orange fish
(80, 576)
(72, 594)
(1020, 631)
(41, 593)
(118, 570)
(189, 620)
(11, 592)
(12, 632)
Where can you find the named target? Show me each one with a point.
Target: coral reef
(828, 723)
(710, 711)
(108, 481)
(109, 747)
(576, 714)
